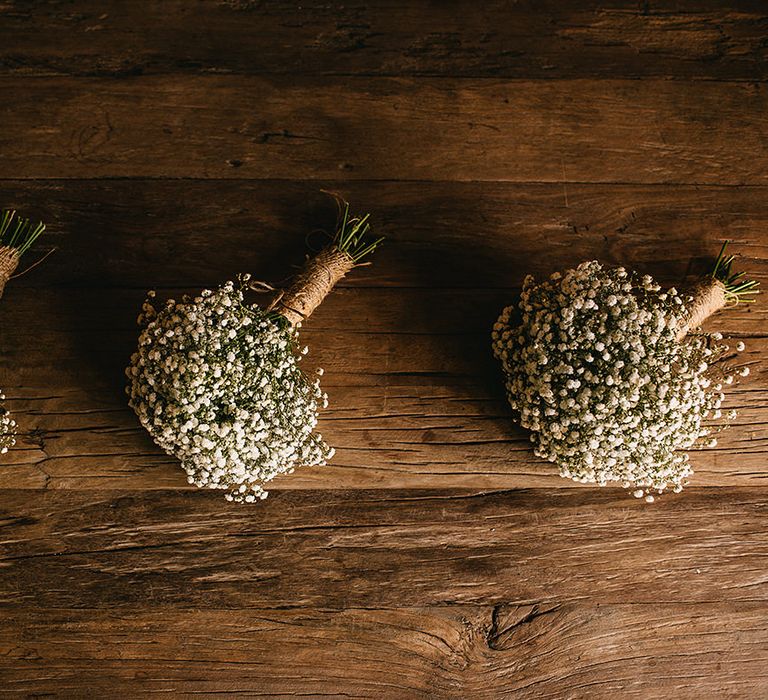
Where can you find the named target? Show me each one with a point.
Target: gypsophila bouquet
(607, 372)
(216, 380)
(16, 237)
(7, 428)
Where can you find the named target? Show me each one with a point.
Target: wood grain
(419, 403)
(144, 233)
(172, 145)
(680, 39)
(650, 131)
(381, 548)
(461, 651)
(413, 406)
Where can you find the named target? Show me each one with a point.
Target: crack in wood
(507, 620)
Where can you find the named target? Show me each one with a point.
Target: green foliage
(18, 233)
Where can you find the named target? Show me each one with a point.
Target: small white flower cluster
(7, 428)
(216, 382)
(596, 372)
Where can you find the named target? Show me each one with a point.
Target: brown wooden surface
(171, 145)
(467, 129)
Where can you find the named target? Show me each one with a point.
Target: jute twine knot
(308, 289)
(708, 297)
(9, 260)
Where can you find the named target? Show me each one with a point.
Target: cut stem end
(737, 289)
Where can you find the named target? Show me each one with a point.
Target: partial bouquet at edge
(16, 237)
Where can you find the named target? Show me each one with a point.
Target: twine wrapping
(708, 297)
(9, 259)
(308, 289)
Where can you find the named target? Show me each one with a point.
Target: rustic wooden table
(171, 145)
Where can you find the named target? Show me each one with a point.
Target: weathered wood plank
(58, 315)
(415, 404)
(380, 548)
(421, 439)
(527, 39)
(419, 402)
(118, 578)
(148, 233)
(457, 651)
(647, 131)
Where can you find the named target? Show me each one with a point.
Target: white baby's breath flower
(216, 382)
(7, 428)
(626, 398)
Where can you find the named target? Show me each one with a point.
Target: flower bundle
(7, 428)
(217, 383)
(16, 237)
(608, 373)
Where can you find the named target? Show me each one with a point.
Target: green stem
(737, 291)
(18, 233)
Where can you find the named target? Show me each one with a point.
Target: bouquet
(216, 380)
(610, 375)
(16, 237)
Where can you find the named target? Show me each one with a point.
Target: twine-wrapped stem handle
(709, 296)
(9, 261)
(315, 281)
